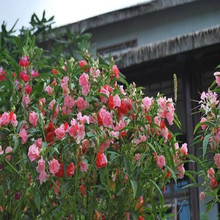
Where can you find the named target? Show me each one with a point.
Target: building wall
(160, 25)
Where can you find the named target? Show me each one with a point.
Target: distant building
(152, 41)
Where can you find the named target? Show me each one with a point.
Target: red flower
(66, 126)
(50, 132)
(24, 76)
(148, 118)
(70, 170)
(54, 71)
(168, 174)
(111, 102)
(169, 136)
(162, 124)
(28, 89)
(2, 74)
(126, 106)
(101, 160)
(99, 117)
(213, 183)
(60, 172)
(83, 63)
(82, 189)
(24, 61)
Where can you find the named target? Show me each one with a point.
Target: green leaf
(157, 187)
(134, 187)
(37, 201)
(190, 185)
(197, 160)
(172, 172)
(15, 140)
(127, 165)
(102, 176)
(205, 144)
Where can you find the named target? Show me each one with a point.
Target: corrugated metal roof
(123, 14)
(169, 47)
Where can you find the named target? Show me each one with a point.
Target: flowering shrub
(79, 142)
(210, 138)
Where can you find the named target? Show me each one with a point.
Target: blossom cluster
(210, 135)
(87, 135)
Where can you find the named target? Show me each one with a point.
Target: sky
(65, 11)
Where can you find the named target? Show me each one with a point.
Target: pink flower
(23, 135)
(57, 187)
(49, 90)
(147, 102)
(105, 117)
(81, 104)
(33, 152)
(170, 117)
(217, 160)
(105, 145)
(176, 146)
(54, 166)
(64, 82)
(73, 128)
(115, 70)
(181, 170)
(94, 73)
(26, 100)
(85, 90)
(137, 157)
(51, 107)
(34, 74)
(211, 173)
(162, 102)
(1, 151)
(39, 142)
(84, 80)
(83, 166)
(105, 90)
(204, 125)
(5, 118)
(83, 119)
(114, 134)
(33, 117)
(43, 176)
(41, 102)
(80, 133)
(41, 165)
(184, 149)
(60, 133)
(114, 101)
(69, 101)
(12, 118)
(202, 196)
(161, 162)
(8, 150)
(217, 78)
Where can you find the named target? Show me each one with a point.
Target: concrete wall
(161, 25)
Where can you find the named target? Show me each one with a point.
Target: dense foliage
(78, 141)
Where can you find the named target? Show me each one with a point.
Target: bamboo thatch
(121, 15)
(169, 47)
